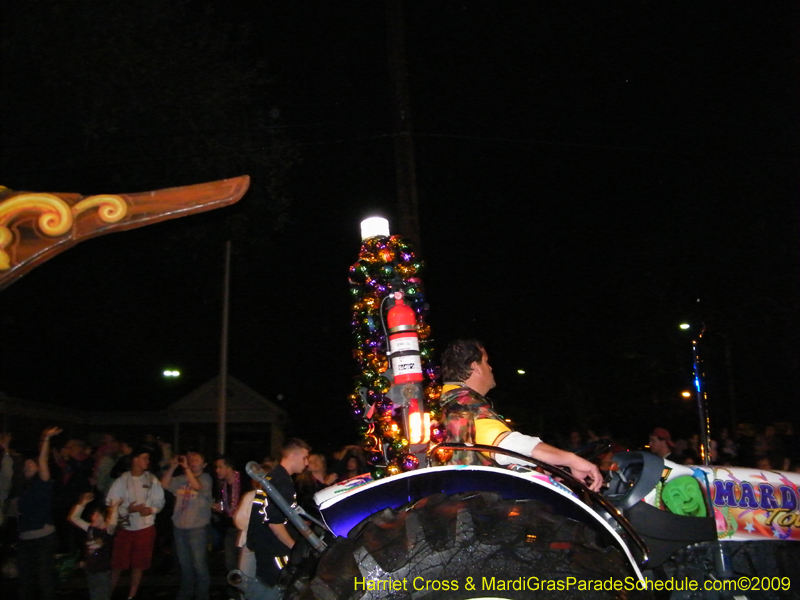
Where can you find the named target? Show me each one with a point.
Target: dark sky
(586, 172)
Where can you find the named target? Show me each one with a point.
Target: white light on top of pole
(374, 226)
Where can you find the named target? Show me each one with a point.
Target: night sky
(590, 175)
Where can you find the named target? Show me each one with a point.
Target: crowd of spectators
(112, 501)
(121, 506)
(773, 447)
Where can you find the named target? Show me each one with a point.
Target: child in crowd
(99, 533)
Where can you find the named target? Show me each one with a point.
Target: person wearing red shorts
(142, 497)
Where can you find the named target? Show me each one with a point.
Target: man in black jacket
(267, 534)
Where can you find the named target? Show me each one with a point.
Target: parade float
(416, 526)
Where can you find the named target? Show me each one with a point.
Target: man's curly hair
(458, 357)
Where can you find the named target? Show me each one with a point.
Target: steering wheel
(637, 473)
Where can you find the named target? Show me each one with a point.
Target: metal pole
(222, 398)
(256, 472)
(702, 408)
(405, 164)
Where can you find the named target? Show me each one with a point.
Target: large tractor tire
(770, 568)
(468, 546)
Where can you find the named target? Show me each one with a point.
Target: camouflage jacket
(461, 407)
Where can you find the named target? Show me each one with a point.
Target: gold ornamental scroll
(36, 226)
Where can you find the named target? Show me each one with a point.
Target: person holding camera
(191, 520)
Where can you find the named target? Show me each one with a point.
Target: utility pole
(405, 166)
(222, 380)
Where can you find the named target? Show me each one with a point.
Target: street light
(171, 373)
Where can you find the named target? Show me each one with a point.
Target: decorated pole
(395, 395)
(700, 392)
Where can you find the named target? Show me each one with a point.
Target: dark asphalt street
(160, 583)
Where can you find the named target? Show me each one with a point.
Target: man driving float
(469, 417)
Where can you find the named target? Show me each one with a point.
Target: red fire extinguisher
(403, 342)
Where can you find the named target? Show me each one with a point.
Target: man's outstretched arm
(532, 446)
(581, 468)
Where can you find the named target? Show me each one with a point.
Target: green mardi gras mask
(683, 496)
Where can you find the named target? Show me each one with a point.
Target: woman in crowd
(312, 480)
(37, 533)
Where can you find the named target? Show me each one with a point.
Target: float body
(345, 504)
(719, 504)
(748, 504)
